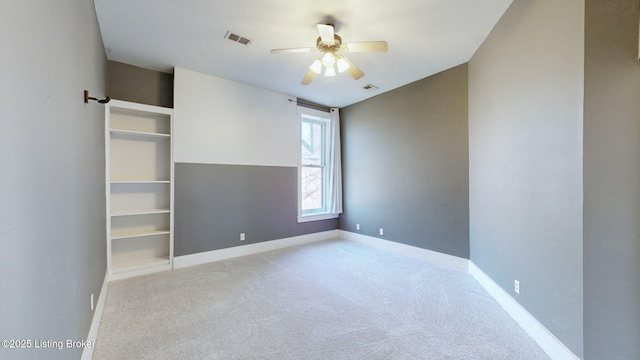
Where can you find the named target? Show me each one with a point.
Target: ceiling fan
(330, 43)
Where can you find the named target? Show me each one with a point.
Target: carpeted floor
(333, 299)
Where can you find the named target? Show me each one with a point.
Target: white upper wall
(218, 121)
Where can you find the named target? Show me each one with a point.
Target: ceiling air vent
(237, 38)
(370, 87)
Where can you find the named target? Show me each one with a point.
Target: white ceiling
(424, 37)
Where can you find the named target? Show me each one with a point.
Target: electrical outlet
(92, 302)
(242, 237)
(516, 286)
(357, 226)
(381, 231)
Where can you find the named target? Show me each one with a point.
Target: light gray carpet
(328, 300)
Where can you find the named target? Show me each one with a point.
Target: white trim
(250, 249)
(316, 217)
(547, 341)
(87, 353)
(434, 257)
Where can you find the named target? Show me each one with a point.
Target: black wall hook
(87, 98)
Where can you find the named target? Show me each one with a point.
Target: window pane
(311, 188)
(312, 137)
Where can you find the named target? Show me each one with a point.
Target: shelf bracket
(87, 98)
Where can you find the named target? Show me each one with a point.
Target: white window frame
(312, 115)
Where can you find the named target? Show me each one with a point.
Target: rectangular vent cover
(237, 38)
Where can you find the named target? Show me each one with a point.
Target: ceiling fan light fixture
(330, 71)
(331, 63)
(328, 59)
(316, 66)
(342, 64)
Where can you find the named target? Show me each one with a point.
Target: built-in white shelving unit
(139, 188)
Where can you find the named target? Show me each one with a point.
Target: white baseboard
(250, 249)
(87, 353)
(549, 343)
(433, 257)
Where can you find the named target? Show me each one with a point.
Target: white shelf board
(117, 235)
(119, 268)
(127, 105)
(138, 134)
(140, 212)
(140, 181)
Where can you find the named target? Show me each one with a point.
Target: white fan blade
(291, 51)
(326, 33)
(367, 46)
(308, 78)
(353, 70)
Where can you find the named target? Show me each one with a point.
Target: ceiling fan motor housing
(324, 46)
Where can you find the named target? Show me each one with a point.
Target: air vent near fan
(237, 38)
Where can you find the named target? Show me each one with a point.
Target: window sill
(316, 217)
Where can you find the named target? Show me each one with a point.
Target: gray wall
(215, 203)
(405, 164)
(612, 181)
(525, 163)
(136, 84)
(52, 212)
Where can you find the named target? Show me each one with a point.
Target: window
(313, 165)
(317, 167)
